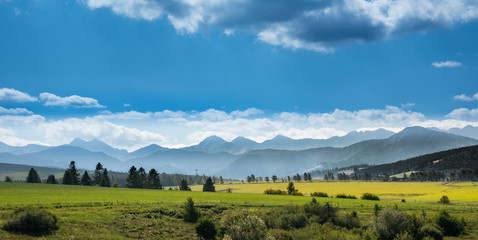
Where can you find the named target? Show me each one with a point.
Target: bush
(275, 192)
(444, 200)
(319, 194)
(293, 220)
(450, 225)
(432, 232)
(241, 225)
(191, 213)
(279, 235)
(206, 229)
(32, 221)
(349, 220)
(389, 223)
(320, 213)
(370, 196)
(343, 195)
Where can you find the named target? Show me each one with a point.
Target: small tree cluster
(139, 179)
(71, 175)
(329, 176)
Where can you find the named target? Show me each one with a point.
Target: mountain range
(279, 156)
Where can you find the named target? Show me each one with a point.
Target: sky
(136, 72)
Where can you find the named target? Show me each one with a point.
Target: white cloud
(463, 113)
(15, 111)
(50, 99)
(463, 97)
(448, 64)
(302, 24)
(12, 95)
(133, 129)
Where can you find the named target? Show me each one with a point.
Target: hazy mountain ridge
(230, 159)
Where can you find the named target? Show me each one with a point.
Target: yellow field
(424, 192)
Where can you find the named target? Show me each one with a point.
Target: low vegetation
(370, 196)
(31, 221)
(319, 194)
(343, 195)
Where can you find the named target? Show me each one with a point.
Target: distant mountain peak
(242, 139)
(281, 137)
(212, 140)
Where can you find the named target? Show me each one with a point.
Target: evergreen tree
(105, 180)
(8, 179)
(33, 176)
(184, 185)
(310, 177)
(274, 178)
(306, 177)
(209, 186)
(51, 179)
(288, 178)
(291, 188)
(154, 181)
(191, 213)
(220, 180)
(98, 171)
(85, 179)
(73, 178)
(66, 178)
(267, 179)
(142, 178)
(133, 178)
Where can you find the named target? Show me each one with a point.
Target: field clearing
(420, 192)
(122, 213)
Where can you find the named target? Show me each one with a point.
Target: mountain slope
(408, 143)
(31, 148)
(145, 151)
(454, 159)
(215, 144)
(96, 145)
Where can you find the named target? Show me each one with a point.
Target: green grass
(119, 213)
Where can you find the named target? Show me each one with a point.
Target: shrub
(32, 221)
(370, 196)
(191, 213)
(431, 231)
(444, 200)
(320, 213)
(242, 225)
(348, 220)
(279, 235)
(293, 220)
(343, 195)
(319, 194)
(206, 229)
(389, 223)
(275, 192)
(450, 225)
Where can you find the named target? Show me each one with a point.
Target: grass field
(420, 192)
(118, 213)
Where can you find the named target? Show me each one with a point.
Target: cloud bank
(463, 97)
(12, 95)
(76, 101)
(301, 24)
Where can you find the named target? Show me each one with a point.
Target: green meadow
(121, 213)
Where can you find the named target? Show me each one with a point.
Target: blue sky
(173, 72)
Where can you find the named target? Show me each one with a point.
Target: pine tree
(86, 180)
(8, 179)
(71, 175)
(133, 178)
(291, 188)
(208, 186)
(306, 177)
(105, 180)
(184, 185)
(51, 179)
(33, 176)
(154, 181)
(98, 171)
(66, 178)
(142, 178)
(267, 179)
(220, 180)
